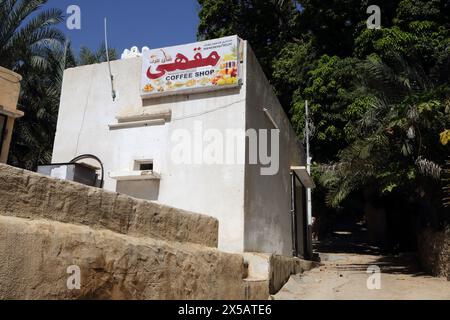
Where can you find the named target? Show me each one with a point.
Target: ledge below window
(158, 118)
(134, 176)
(137, 124)
(15, 114)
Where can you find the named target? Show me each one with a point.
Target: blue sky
(149, 23)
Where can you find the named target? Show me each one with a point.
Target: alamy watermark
(374, 21)
(74, 280)
(374, 280)
(201, 146)
(73, 21)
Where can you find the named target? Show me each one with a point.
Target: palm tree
(31, 45)
(25, 33)
(34, 134)
(446, 180)
(87, 56)
(396, 149)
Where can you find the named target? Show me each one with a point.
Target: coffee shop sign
(196, 67)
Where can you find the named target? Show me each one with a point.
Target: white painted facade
(253, 210)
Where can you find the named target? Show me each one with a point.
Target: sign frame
(192, 68)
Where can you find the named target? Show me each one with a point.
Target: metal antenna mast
(113, 91)
(308, 162)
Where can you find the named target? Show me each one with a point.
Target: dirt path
(344, 277)
(346, 258)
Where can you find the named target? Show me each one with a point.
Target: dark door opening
(300, 230)
(3, 121)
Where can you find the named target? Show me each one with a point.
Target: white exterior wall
(268, 224)
(87, 109)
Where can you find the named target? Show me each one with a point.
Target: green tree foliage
(379, 98)
(334, 104)
(34, 133)
(26, 33)
(268, 25)
(333, 24)
(446, 181)
(396, 147)
(87, 56)
(33, 46)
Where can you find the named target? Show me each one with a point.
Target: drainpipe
(308, 169)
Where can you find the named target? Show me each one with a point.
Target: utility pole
(308, 168)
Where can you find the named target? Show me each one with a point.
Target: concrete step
(28, 195)
(276, 270)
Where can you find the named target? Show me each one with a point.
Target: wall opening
(300, 239)
(143, 165)
(3, 121)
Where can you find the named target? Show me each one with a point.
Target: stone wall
(35, 255)
(28, 195)
(434, 252)
(124, 248)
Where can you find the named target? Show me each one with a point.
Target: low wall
(434, 252)
(124, 248)
(28, 195)
(275, 269)
(282, 268)
(35, 256)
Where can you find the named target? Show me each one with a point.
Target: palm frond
(429, 168)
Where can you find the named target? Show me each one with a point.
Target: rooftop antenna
(113, 91)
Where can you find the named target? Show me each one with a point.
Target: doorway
(299, 223)
(3, 121)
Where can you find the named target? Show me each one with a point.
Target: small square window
(143, 165)
(146, 167)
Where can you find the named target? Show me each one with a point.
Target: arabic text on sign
(183, 63)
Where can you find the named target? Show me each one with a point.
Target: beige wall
(9, 95)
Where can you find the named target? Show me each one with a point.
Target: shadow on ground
(353, 240)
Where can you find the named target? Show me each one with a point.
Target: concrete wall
(28, 195)
(277, 269)
(268, 198)
(87, 110)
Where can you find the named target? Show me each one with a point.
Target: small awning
(304, 177)
(12, 114)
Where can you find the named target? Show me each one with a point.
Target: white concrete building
(138, 134)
